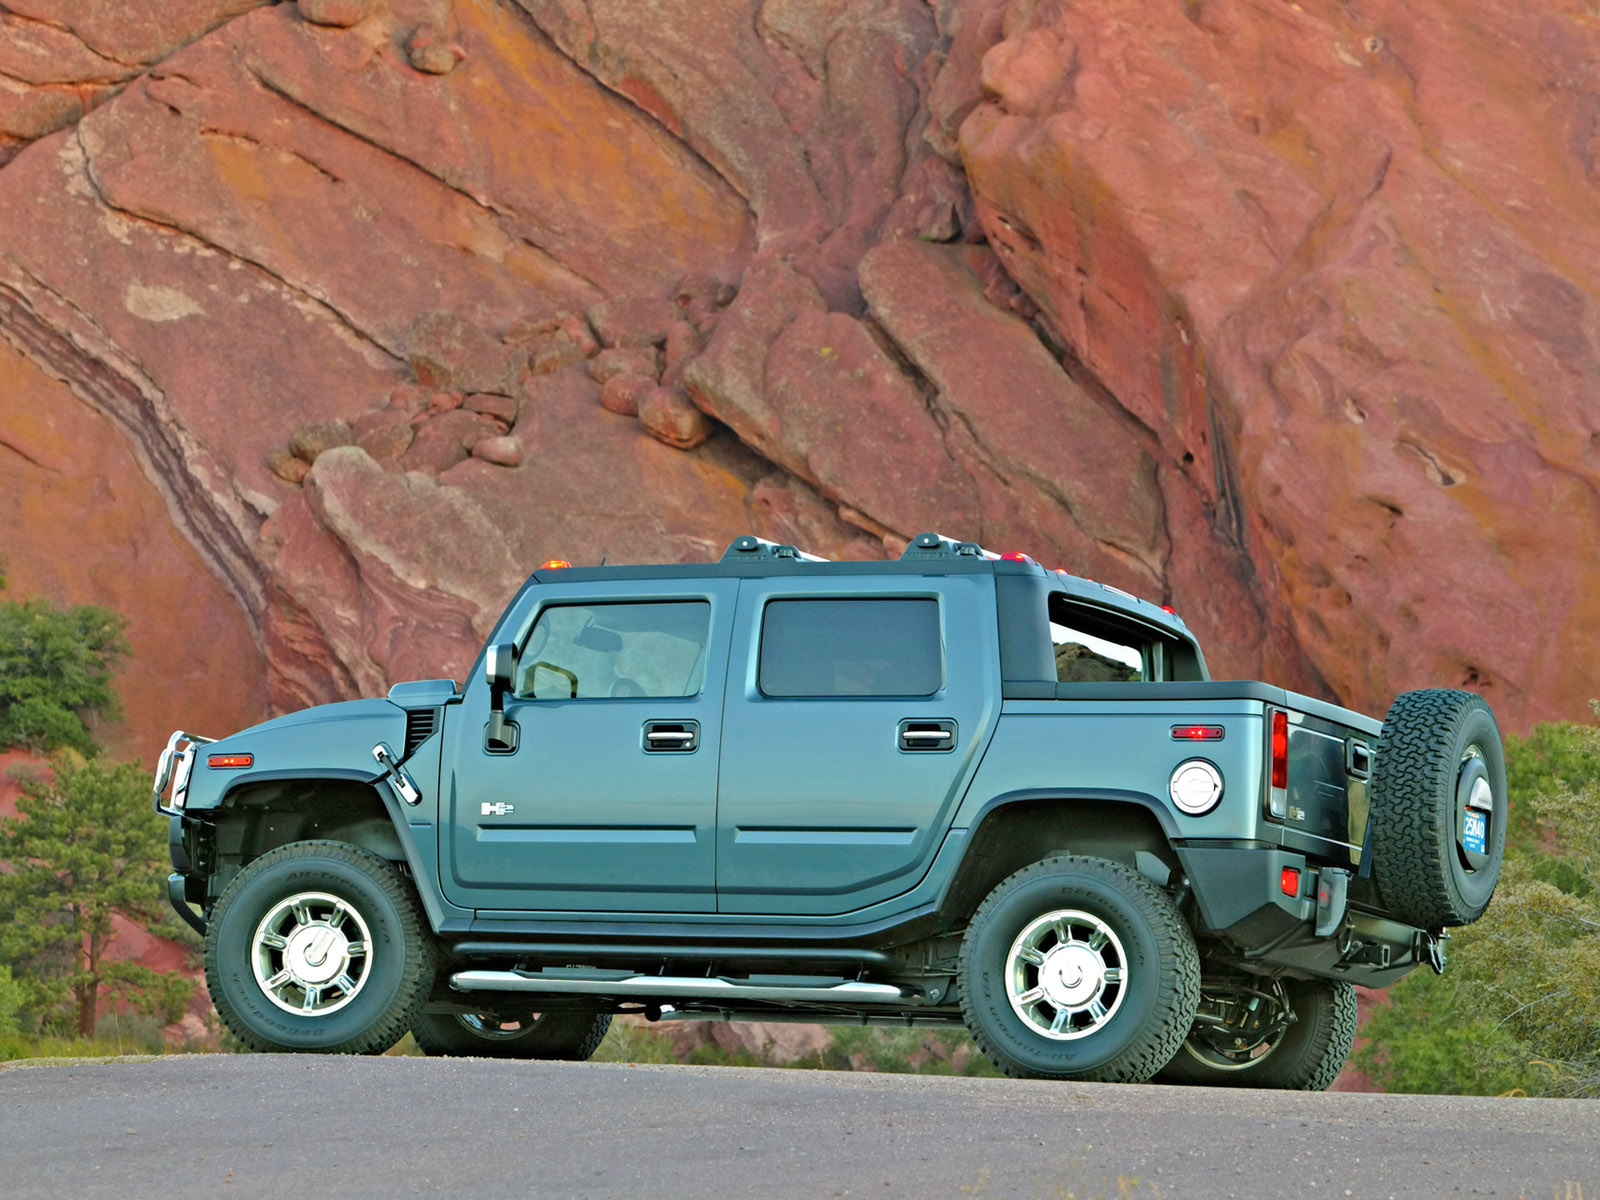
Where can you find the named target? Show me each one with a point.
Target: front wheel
(318, 946)
(571, 1036)
(1290, 1033)
(1078, 968)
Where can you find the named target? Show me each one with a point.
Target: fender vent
(420, 724)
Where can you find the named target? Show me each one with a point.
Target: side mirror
(499, 664)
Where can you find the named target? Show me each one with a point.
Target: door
(853, 722)
(607, 799)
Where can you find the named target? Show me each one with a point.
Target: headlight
(1196, 786)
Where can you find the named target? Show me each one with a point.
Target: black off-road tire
(1307, 1056)
(573, 1037)
(393, 969)
(1436, 746)
(1146, 1013)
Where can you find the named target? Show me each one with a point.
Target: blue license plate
(1475, 832)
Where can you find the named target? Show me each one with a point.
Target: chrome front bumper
(173, 768)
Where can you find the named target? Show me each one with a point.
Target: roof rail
(936, 545)
(750, 548)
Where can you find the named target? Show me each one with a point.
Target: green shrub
(11, 999)
(55, 667)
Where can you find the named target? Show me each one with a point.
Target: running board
(693, 987)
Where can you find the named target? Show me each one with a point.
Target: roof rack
(750, 548)
(936, 545)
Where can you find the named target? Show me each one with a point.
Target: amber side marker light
(230, 760)
(1198, 733)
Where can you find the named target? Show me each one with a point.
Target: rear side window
(1095, 647)
(851, 648)
(1083, 657)
(615, 651)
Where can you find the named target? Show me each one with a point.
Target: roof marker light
(1015, 556)
(1167, 608)
(230, 760)
(553, 564)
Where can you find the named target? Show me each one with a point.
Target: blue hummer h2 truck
(953, 789)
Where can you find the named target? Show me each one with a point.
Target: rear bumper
(1314, 931)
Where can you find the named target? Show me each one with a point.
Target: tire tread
(1407, 787)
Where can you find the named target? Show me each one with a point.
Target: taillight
(1280, 749)
(1289, 881)
(1198, 733)
(230, 760)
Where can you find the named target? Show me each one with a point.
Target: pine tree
(83, 848)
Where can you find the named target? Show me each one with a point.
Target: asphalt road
(346, 1128)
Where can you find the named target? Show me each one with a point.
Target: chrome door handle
(671, 737)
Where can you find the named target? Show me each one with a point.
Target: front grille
(420, 724)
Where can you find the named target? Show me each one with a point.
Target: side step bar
(667, 987)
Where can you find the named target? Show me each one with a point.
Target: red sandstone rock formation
(1343, 261)
(354, 311)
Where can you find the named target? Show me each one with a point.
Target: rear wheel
(1268, 1033)
(1078, 968)
(318, 946)
(571, 1036)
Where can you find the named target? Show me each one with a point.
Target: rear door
(608, 801)
(854, 717)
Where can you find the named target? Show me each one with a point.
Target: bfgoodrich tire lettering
(1078, 968)
(1307, 1056)
(325, 928)
(1439, 757)
(570, 1036)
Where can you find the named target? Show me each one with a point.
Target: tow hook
(399, 778)
(1433, 947)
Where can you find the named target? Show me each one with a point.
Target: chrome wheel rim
(1474, 796)
(1237, 1055)
(1240, 1028)
(492, 1029)
(1066, 975)
(310, 954)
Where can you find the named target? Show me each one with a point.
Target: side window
(594, 651)
(1090, 648)
(851, 648)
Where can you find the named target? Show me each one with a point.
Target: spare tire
(1438, 828)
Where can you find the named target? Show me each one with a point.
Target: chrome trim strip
(694, 987)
